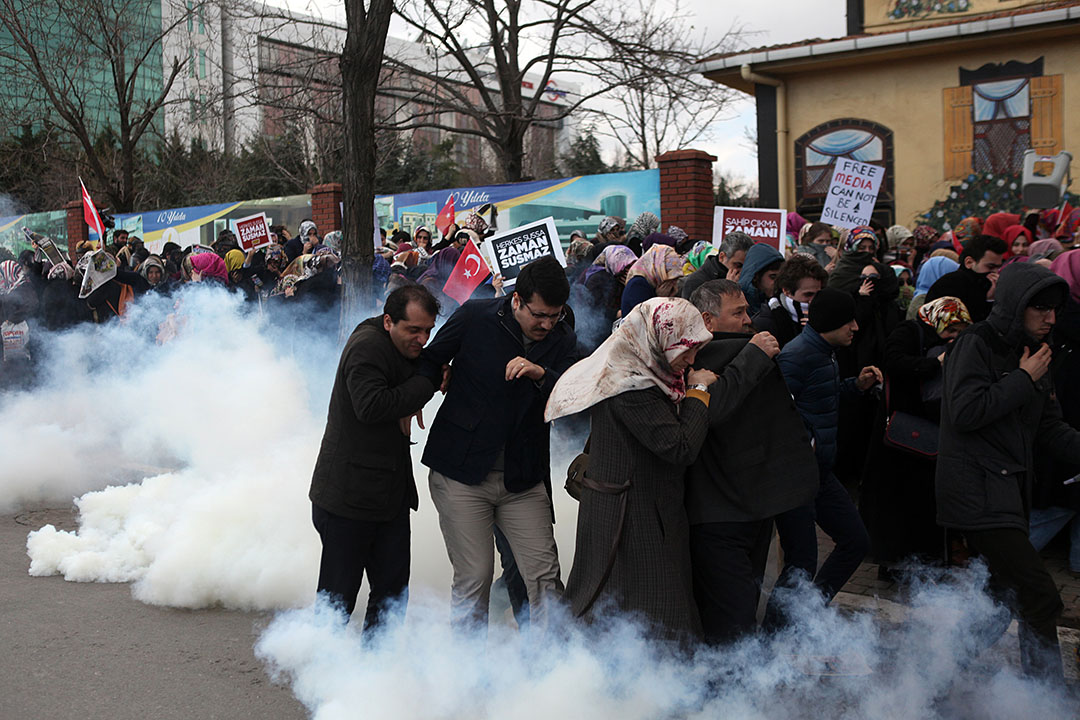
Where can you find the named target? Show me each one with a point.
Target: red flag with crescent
(446, 216)
(468, 273)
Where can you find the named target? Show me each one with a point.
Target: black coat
(482, 414)
(364, 471)
(777, 321)
(971, 287)
(993, 416)
(757, 461)
(711, 269)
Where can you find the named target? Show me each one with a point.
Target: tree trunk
(361, 62)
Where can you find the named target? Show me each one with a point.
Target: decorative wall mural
(924, 8)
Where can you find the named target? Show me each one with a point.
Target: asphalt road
(88, 650)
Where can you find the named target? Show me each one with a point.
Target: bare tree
(54, 55)
(494, 61)
(663, 104)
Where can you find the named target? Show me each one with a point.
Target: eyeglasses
(545, 316)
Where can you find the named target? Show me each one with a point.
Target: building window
(190, 18)
(202, 21)
(191, 62)
(817, 151)
(202, 64)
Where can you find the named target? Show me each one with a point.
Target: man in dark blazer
(363, 487)
(756, 463)
(488, 446)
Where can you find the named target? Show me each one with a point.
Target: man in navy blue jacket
(488, 447)
(809, 366)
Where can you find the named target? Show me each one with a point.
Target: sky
(768, 22)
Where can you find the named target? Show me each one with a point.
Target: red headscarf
(1010, 235)
(998, 223)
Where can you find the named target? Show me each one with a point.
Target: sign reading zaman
(514, 249)
(253, 232)
(852, 193)
(761, 224)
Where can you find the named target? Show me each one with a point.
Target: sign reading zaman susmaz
(852, 193)
(514, 249)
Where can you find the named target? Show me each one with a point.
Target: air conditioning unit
(1046, 178)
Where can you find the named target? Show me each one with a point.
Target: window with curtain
(1001, 111)
(817, 151)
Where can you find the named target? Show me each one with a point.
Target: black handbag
(575, 474)
(910, 433)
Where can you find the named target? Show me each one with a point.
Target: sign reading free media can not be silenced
(852, 193)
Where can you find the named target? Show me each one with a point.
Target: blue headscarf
(931, 270)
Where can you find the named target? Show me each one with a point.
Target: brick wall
(686, 192)
(77, 230)
(326, 207)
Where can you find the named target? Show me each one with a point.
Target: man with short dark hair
(363, 488)
(976, 278)
(800, 278)
(119, 242)
(724, 265)
(997, 410)
(756, 463)
(488, 447)
(809, 366)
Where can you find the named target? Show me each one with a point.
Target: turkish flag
(468, 273)
(90, 214)
(446, 216)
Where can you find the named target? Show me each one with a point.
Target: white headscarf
(637, 356)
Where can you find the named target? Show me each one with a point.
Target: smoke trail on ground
(831, 664)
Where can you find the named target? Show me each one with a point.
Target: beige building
(947, 95)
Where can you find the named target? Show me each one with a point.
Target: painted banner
(852, 193)
(253, 232)
(766, 225)
(514, 249)
(577, 203)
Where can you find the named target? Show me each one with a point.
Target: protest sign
(765, 225)
(852, 193)
(253, 232)
(45, 247)
(514, 249)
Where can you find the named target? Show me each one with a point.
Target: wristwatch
(700, 386)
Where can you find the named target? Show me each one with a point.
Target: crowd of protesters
(908, 392)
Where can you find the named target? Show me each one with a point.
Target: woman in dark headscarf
(597, 295)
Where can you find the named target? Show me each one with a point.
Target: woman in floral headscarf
(897, 498)
(656, 273)
(1066, 231)
(647, 427)
(965, 230)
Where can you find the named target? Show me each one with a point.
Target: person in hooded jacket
(859, 250)
(758, 276)
(997, 411)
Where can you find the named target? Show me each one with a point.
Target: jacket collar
(813, 338)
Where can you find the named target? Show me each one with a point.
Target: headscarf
(577, 251)
(234, 260)
(208, 265)
(997, 223)
(306, 227)
(931, 270)
(275, 252)
(656, 238)
(896, 235)
(924, 235)
(795, 223)
(1044, 248)
(439, 270)
(637, 356)
(63, 271)
(154, 261)
(645, 223)
(1013, 232)
(12, 275)
(657, 264)
(1067, 265)
(677, 234)
(857, 235)
(409, 258)
(380, 270)
(608, 224)
(700, 252)
(966, 229)
(946, 253)
(424, 252)
(475, 223)
(1067, 229)
(332, 240)
(943, 312)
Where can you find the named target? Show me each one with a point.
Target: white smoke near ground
(829, 664)
(195, 457)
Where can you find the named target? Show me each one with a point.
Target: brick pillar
(686, 192)
(326, 207)
(77, 229)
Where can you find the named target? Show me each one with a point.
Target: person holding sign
(488, 447)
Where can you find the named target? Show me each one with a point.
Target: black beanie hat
(830, 309)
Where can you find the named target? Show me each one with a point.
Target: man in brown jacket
(363, 488)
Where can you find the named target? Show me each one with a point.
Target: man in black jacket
(756, 463)
(975, 280)
(724, 265)
(363, 488)
(488, 446)
(997, 409)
